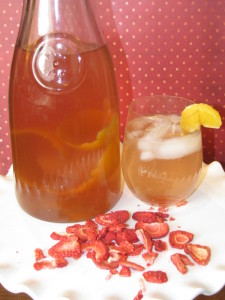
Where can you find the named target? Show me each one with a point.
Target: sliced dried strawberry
(112, 218)
(131, 265)
(126, 247)
(59, 236)
(186, 260)
(106, 264)
(145, 216)
(122, 216)
(126, 234)
(116, 249)
(67, 247)
(102, 233)
(109, 237)
(116, 256)
(100, 249)
(163, 215)
(138, 248)
(139, 296)
(179, 238)
(39, 254)
(125, 272)
(155, 276)
(50, 264)
(116, 227)
(155, 230)
(113, 271)
(178, 262)
(200, 254)
(150, 257)
(86, 232)
(144, 237)
(160, 245)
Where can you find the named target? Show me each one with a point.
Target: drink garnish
(195, 115)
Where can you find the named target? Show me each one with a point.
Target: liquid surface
(65, 142)
(160, 163)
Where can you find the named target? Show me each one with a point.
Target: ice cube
(179, 146)
(146, 156)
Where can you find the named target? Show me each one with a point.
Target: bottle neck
(46, 17)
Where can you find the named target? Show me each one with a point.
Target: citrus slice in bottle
(85, 159)
(94, 149)
(83, 137)
(195, 115)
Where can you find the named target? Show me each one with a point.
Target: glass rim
(160, 97)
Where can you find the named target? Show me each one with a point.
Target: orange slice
(83, 137)
(88, 159)
(195, 115)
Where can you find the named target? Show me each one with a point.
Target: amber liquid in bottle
(65, 142)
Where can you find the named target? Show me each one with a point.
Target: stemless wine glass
(161, 164)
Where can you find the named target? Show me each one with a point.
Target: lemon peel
(199, 114)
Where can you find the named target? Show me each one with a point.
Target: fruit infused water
(161, 164)
(59, 166)
(64, 119)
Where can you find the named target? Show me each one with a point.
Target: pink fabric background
(158, 47)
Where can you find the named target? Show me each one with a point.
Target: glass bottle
(64, 119)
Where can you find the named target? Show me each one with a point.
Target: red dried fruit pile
(109, 243)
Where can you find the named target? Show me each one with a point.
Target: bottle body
(64, 125)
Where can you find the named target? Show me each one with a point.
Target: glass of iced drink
(161, 164)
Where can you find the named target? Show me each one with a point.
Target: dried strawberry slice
(138, 248)
(179, 238)
(112, 218)
(67, 247)
(86, 232)
(109, 237)
(59, 236)
(160, 245)
(102, 233)
(144, 237)
(100, 249)
(132, 265)
(126, 234)
(116, 254)
(116, 227)
(113, 271)
(126, 247)
(39, 254)
(107, 264)
(50, 264)
(200, 254)
(150, 257)
(186, 260)
(125, 272)
(122, 216)
(155, 276)
(155, 230)
(145, 216)
(178, 262)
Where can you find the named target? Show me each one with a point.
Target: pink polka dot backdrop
(157, 46)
